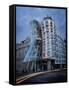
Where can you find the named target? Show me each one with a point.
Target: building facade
(60, 60)
(33, 55)
(48, 41)
(48, 38)
(45, 50)
(21, 51)
(53, 46)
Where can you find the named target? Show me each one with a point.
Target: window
(47, 31)
(48, 42)
(48, 48)
(47, 36)
(48, 53)
(44, 33)
(46, 25)
(43, 27)
(51, 24)
(51, 36)
(46, 22)
(51, 29)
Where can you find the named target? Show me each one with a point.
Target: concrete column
(42, 68)
(48, 65)
(60, 65)
(35, 65)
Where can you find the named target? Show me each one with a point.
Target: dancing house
(45, 50)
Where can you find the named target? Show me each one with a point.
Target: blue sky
(25, 14)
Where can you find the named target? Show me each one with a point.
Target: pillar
(49, 65)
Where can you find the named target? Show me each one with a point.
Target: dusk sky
(25, 14)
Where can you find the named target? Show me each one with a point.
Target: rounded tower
(48, 38)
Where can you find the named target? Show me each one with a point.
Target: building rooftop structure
(47, 17)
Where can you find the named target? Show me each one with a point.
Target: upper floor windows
(47, 24)
(51, 24)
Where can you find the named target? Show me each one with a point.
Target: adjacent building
(60, 60)
(21, 51)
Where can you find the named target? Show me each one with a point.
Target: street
(44, 77)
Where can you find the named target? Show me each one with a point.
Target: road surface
(44, 77)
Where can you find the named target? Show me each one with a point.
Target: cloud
(25, 14)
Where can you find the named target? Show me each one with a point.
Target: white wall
(4, 44)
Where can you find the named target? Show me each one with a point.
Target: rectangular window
(51, 24)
